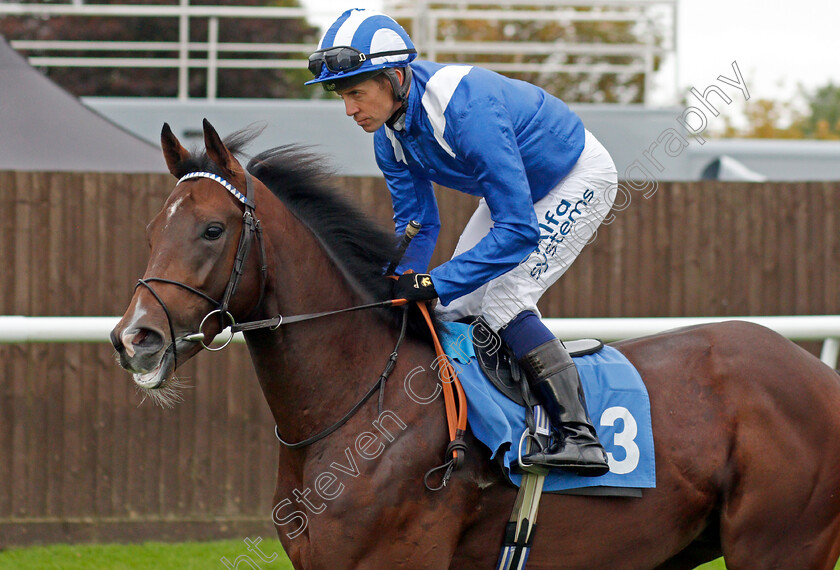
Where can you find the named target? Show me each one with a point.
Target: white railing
(427, 18)
(825, 328)
(647, 17)
(185, 60)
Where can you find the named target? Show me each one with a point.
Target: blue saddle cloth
(616, 397)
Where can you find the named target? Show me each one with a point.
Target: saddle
(499, 363)
(497, 420)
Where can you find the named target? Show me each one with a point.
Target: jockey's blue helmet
(359, 45)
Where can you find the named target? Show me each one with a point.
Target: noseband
(251, 229)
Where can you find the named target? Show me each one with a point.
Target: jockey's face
(371, 102)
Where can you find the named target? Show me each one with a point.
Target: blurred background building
(143, 63)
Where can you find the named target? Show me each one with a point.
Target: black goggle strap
(318, 59)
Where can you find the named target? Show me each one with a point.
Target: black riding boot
(555, 382)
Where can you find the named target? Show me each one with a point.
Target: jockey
(544, 182)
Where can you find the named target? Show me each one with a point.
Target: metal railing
(428, 16)
(213, 49)
(426, 21)
(825, 328)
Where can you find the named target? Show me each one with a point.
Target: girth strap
(519, 531)
(522, 524)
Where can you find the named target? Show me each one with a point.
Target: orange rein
(456, 412)
(456, 415)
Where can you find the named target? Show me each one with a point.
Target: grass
(146, 556)
(719, 565)
(713, 565)
(157, 555)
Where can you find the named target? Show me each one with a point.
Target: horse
(746, 423)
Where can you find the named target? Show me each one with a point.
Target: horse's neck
(313, 370)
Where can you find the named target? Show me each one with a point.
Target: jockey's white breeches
(569, 216)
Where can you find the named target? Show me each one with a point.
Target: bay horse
(746, 424)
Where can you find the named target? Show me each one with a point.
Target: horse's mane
(300, 180)
(353, 240)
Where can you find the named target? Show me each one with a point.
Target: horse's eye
(213, 232)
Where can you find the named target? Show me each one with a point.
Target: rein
(275, 322)
(379, 385)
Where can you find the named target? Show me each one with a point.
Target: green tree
(823, 122)
(772, 119)
(766, 119)
(163, 82)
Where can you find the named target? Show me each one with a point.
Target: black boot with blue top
(554, 380)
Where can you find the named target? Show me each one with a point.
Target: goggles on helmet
(341, 59)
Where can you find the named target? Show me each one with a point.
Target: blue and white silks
(476, 131)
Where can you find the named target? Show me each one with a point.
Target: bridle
(252, 229)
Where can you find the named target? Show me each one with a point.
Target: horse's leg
(781, 505)
(370, 527)
(759, 431)
(786, 517)
(703, 549)
(773, 529)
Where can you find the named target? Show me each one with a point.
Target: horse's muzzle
(139, 349)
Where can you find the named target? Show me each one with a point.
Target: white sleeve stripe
(398, 150)
(439, 90)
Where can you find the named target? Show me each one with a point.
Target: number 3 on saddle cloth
(618, 405)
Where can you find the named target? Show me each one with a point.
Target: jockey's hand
(414, 287)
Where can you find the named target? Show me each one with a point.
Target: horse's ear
(173, 152)
(218, 152)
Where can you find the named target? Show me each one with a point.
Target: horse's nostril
(141, 335)
(144, 341)
(148, 339)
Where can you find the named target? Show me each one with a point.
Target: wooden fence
(81, 459)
